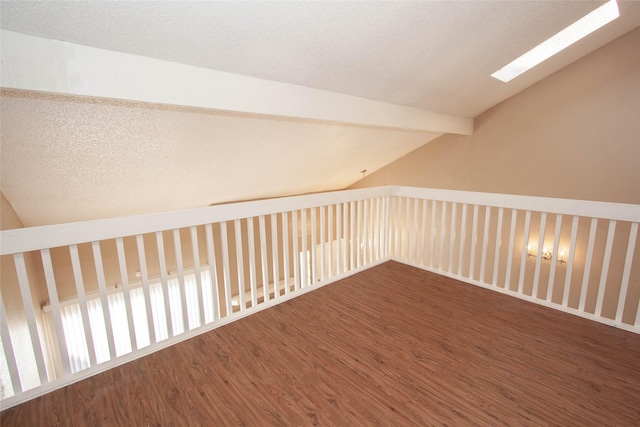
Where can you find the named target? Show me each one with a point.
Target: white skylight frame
(574, 32)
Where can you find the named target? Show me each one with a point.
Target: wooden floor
(392, 346)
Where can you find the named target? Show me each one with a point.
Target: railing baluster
(177, 245)
(252, 262)
(554, 257)
(408, 226)
(605, 267)
(525, 244)
(314, 272)
(365, 232)
(213, 271)
(196, 269)
(352, 230)
(572, 253)
(496, 256)
(264, 261)
(145, 287)
(344, 243)
(296, 254)
(323, 247)
(164, 283)
(512, 236)
(237, 232)
(463, 236)
(304, 268)
(391, 239)
(432, 234)
(125, 292)
(415, 232)
(536, 274)
(82, 303)
(452, 235)
(399, 229)
(371, 230)
(423, 231)
(55, 310)
(378, 233)
(385, 230)
(338, 238)
(330, 237)
(97, 260)
(624, 284)
(473, 241)
(401, 226)
(485, 241)
(275, 257)
(285, 251)
(359, 232)
(364, 236)
(224, 240)
(7, 345)
(379, 228)
(29, 312)
(443, 222)
(587, 264)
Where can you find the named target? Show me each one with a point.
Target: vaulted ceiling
(119, 108)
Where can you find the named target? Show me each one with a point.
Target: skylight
(574, 32)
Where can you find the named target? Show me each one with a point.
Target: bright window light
(574, 32)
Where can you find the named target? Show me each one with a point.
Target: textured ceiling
(66, 158)
(437, 56)
(70, 159)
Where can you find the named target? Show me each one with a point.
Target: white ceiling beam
(44, 65)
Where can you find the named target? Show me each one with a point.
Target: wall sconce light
(561, 256)
(547, 255)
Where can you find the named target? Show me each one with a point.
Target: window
(74, 329)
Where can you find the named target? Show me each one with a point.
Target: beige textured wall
(575, 134)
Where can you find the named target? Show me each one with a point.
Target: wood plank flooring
(391, 346)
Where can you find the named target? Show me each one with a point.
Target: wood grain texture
(393, 345)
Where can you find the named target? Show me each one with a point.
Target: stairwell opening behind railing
(81, 298)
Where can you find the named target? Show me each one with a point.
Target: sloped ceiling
(79, 158)
(71, 155)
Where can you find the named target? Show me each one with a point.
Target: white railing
(117, 289)
(570, 255)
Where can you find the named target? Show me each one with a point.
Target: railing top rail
(586, 208)
(51, 236)
(35, 238)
